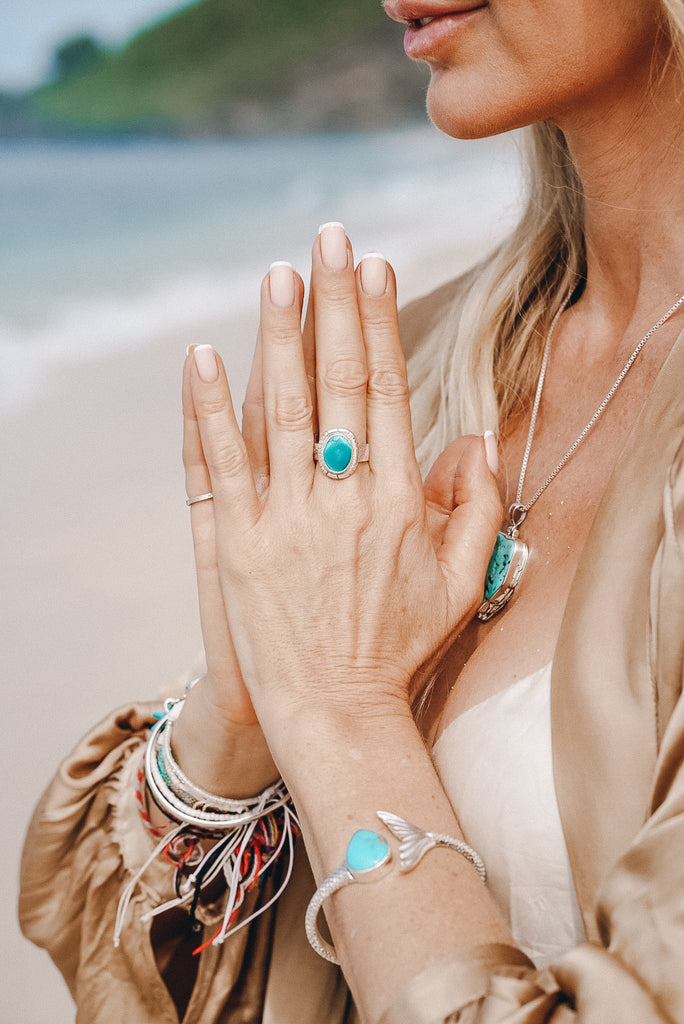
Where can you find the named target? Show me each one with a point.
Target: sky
(30, 30)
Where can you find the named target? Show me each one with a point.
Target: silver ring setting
(338, 453)
(199, 497)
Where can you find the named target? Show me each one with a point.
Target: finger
(341, 370)
(287, 398)
(439, 488)
(439, 482)
(224, 449)
(390, 436)
(472, 527)
(196, 472)
(309, 343)
(254, 422)
(218, 647)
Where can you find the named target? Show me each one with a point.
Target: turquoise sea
(107, 245)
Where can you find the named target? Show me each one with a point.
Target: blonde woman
(490, 792)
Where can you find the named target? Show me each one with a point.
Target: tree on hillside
(76, 55)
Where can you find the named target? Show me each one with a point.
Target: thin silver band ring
(199, 497)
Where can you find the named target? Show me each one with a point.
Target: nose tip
(391, 9)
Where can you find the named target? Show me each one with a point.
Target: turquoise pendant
(504, 572)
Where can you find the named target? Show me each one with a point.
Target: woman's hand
(218, 738)
(334, 592)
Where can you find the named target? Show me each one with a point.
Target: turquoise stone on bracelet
(498, 564)
(366, 850)
(337, 453)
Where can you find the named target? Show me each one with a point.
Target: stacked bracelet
(178, 798)
(369, 857)
(246, 836)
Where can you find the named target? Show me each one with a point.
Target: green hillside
(223, 66)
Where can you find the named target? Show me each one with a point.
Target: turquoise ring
(338, 453)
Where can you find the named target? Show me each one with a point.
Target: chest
(487, 657)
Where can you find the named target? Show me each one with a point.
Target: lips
(432, 26)
(417, 14)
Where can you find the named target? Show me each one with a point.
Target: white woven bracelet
(181, 801)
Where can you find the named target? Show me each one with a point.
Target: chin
(464, 116)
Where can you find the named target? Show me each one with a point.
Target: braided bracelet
(180, 800)
(369, 857)
(251, 834)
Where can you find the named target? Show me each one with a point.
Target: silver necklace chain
(518, 511)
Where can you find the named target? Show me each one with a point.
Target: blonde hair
(483, 359)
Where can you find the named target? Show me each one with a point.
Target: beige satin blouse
(618, 743)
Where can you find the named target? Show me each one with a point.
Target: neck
(628, 152)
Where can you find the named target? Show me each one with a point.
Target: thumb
(439, 482)
(474, 520)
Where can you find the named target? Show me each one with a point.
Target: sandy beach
(98, 582)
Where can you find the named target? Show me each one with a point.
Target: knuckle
(388, 383)
(229, 458)
(345, 377)
(210, 407)
(192, 459)
(381, 319)
(339, 295)
(252, 406)
(284, 334)
(293, 412)
(405, 505)
(353, 509)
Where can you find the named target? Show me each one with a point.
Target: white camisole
(495, 764)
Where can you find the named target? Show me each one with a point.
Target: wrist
(322, 728)
(228, 758)
(341, 767)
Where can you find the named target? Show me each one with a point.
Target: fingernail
(333, 245)
(205, 361)
(187, 351)
(491, 451)
(374, 273)
(281, 283)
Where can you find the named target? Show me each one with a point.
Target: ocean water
(107, 245)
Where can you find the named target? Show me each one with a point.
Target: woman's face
(501, 64)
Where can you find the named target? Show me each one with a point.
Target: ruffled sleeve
(87, 841)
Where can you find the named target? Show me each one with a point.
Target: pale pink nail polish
(205, 361)
(491, 451)
(281, 282)
(373, 274)
(333, 245)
